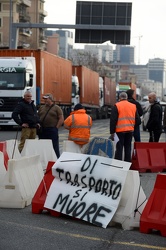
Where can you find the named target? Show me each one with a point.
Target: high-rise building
(104, 52)
(141, 72)
(64, 42)
(25, 11)
(152, 86)
(125, 54)
(157, 72)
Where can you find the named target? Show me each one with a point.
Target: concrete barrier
(21, 182)
(43, 148)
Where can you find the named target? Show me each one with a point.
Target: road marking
(130, 244)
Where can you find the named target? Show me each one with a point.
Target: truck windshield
(12, 80)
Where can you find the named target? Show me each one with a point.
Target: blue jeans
(52, 134)
(125, 139)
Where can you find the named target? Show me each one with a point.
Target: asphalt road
(21, 229)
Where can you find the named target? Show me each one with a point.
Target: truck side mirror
(78, 91)
(31, 80)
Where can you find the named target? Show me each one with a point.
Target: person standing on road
(130, 94)
(154, 124)
(79, 124)
(25, 114)
(51, 118)
(124, 117)
(164, 120)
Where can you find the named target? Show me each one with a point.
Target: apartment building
(27, 11)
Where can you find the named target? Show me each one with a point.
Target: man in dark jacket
(130, 94)
(25, 114)
(154, 124)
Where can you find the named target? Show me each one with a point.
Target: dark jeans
(52, 134)
(154, 136)
(136, 134)
(124, 142)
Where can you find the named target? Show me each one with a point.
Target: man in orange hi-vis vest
(124, 117)
(78, 123)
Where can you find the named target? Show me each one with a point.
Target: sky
(148, 32)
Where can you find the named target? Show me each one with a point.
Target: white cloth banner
(88, 187)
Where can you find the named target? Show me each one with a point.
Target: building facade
(157, 73)
(151, 86)
(19, 12)
(64, 43)
(104, 52)
(141, 71)
(125, 54)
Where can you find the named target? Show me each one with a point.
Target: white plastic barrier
(96, 146)
(21, 182)
(2, 168)
(12, 149)
(132, 202)
(43, 148)
(70, 146)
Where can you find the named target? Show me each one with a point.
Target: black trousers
(52, 134)
(154, 136)
(136, 134)
(125, 139)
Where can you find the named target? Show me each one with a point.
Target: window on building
(0, 7)
(0, 22)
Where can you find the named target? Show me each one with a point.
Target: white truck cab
(17, 74)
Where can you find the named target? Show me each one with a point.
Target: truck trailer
(123, 86)
(42, 72)
(107, 96)
(37, 71)
(96, 94)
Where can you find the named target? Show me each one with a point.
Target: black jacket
(138, 105)
(26, 112)
(155, 118)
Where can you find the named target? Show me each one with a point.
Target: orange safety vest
(126, 116)
(78, 124)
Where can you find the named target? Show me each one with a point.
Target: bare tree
(85, 58)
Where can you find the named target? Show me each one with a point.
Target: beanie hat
(78, 106)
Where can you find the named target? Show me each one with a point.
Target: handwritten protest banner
(88, 187)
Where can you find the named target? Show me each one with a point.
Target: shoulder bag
(40, 130)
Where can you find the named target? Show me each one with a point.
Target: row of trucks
(42, 72)
(123, 86)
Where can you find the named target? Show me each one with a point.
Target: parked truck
(107, 96)
(37, 71)
(96, 94)
(123, 86)
(42, 72)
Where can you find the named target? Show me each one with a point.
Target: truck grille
(8, 103)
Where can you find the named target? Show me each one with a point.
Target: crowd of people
(125, 122)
